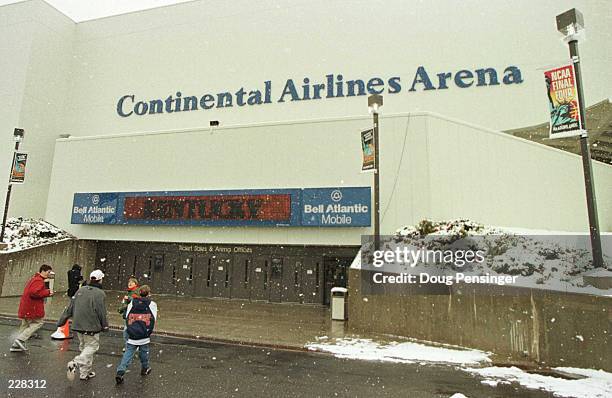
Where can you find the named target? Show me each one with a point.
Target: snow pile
(24, 233)
(590, 383)
(540, 259)
(579, 383)
(407, 352)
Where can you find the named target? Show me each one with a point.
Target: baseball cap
(96, 274)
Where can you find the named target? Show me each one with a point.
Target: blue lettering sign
(94, 208)
(311, 207)
(332, 86)
(336, 207)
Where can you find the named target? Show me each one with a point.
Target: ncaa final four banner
(563, 102)
(367, 149)
(18, 169)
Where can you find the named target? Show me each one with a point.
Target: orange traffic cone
(62, 332)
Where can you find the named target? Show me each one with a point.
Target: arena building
(214, 150)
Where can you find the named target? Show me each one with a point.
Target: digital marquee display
(271, 207)
(276, 207)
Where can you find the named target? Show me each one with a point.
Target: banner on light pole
(18, 169)
(563, 102)
(367, 149)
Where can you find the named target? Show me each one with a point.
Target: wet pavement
(187, 369)
(268, 324)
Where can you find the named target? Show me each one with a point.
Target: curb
(186, 339)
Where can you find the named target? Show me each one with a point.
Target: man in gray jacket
(88, 312)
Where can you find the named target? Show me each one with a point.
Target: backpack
(140, 320)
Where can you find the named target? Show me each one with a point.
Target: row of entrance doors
(296, 279)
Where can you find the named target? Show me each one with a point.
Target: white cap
(96, 274)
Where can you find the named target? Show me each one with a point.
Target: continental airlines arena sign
(316, 207)
(331, 86)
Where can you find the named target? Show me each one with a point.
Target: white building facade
(287, 83)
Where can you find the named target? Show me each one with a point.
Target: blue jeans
(130, 350)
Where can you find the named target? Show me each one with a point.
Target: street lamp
(18, 137)
(571, 25)
(375, 101)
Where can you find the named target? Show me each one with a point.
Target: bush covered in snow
(23, 233)
(540, 259)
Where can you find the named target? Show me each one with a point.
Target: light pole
(18, 136)
(569, 24)
(375, 101)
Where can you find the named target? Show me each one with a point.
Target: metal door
(169, 274)
(144, 270)
(124, 267)
(259, 279)
(335, 274)
(276, 279)
(157, 274)
(241, 273)
(184, 275)
(222, 268)
(292, 279)
(203, 284)
(311, 283)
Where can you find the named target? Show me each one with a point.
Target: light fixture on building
(570, 23)
(18, 135)
(375, 101)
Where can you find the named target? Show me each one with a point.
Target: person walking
(32, 307)
(141, 317)
(74, 279)
(88, 312)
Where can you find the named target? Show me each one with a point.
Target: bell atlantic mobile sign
(308, 207)
(330, 86)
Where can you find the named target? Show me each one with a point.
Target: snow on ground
(588, 383)
(594, 384)
(25, 233)
(406, 352)
(540, 259)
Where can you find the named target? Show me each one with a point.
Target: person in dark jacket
(141, 317)
(32, 307)
(88, 312)
(74, 279)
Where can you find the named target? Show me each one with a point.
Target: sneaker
(20, 344)
(71, 370)
(89, 375)
(119, 378)
(145, 371)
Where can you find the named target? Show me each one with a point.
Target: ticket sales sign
(337, 207)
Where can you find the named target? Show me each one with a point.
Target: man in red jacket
(32, 307)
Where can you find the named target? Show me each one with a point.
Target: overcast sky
(82, 10)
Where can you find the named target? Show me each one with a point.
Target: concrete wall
(497, 180)
(17, 267)
(36, 61)
(551, 328)
(431, 167)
